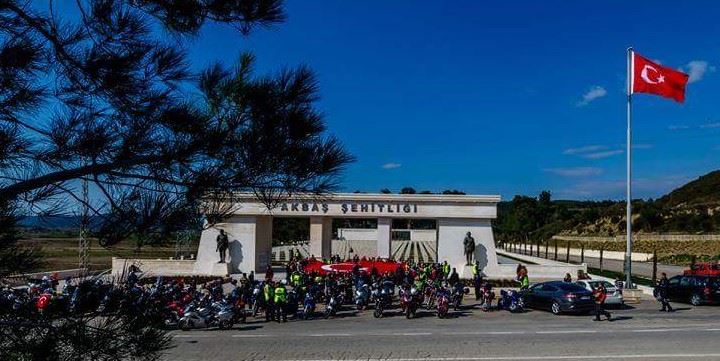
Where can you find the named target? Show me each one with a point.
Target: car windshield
(607, 284)
(570, 287)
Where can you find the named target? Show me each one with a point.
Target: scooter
(511, 301)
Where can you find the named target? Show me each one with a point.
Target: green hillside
(693, 208)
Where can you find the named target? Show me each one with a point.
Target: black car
(697, 290)
(559, 297)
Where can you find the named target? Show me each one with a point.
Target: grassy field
(62, 252)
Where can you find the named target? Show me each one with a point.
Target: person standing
(524, 279)
(662, 296)
(600, 293)
(280, 302)
(269, 297)
(454, 277)
(222, 245)
(477, 279)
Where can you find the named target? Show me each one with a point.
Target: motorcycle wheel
(183, 325)
(408, 314)
(513, 307)
(225, 325)
(327, 314)
(378, 313)
(255, 309)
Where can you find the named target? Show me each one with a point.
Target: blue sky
(501, 97)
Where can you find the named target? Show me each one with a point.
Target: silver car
(614, 296)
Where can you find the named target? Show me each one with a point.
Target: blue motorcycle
(511, 301)
(308, 306)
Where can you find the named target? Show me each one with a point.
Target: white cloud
(696, 69)
(584, 149)
(601, 155)
(391, 165)
(598, 151)
(575, 171)
(642, 146)
(710, 125)
(615, 188)
(595, 92)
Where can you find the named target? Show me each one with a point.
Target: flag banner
(649, 77)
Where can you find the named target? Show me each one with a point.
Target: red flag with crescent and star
(649, 77)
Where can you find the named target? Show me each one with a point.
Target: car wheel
(695, 300)
(555, 308)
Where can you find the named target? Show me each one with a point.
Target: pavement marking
(249, 336)
(712, 329)
(664, 330)
(556, 357)
(416, 334)
(192, 336)
(329, 335)
(564, 331)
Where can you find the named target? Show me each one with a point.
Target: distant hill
(691, 208)
(704, 191)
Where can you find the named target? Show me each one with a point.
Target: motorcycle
(308, 306)
(217, 314)
(362, 297)
(333, 304)
(488, 296)
(443, 303)
(430, 294)
(409, 302)
(511, 301)
(459, 291)
(383, 298)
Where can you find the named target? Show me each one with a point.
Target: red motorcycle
(443, 302)
(409, 302)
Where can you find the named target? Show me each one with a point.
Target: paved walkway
(643, 269)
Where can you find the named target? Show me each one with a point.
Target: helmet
(283, 282)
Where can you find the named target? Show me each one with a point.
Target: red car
(703, 269)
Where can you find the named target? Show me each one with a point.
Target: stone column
(263, 243)
(383, 237)
(321, 237)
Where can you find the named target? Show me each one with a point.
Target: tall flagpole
(628, 200)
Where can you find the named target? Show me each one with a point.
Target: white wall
(451, 233)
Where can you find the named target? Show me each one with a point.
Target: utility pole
(83, 242)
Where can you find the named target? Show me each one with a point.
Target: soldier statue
(469, 243)
(222, 245)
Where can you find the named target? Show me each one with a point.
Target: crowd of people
(296, 295)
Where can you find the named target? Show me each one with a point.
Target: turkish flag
(648, 77)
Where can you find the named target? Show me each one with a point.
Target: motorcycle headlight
(413, 291)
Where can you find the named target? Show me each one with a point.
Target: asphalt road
(638, 333)
(643, 269)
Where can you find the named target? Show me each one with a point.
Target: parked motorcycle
(217, 314)
(382, 296)
(511, 300)
(459, 291)
(362, 297)
(488, 296)
(443, 302)
(409, 302)
(308, 306)
(333, 305)
(430, 295)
